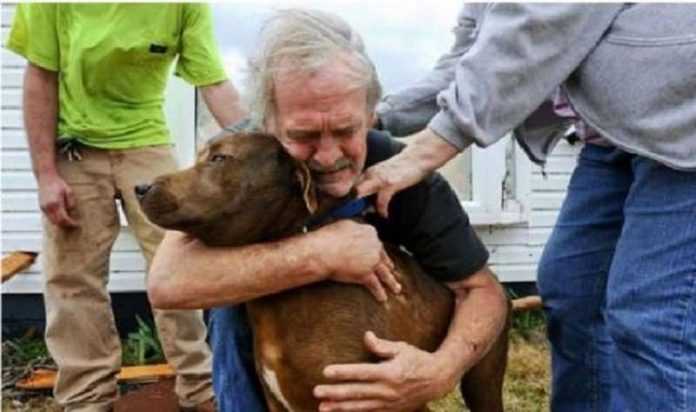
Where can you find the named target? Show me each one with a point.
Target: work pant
(80, 330)
(618, 280)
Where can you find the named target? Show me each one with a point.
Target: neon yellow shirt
(114, 61)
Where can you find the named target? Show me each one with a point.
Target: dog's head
(244, 188)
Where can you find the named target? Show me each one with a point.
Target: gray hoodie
(628, 70)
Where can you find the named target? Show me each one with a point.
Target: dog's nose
(141, 190)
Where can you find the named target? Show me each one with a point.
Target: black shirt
(428, 220)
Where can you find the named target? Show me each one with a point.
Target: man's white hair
(303, 41)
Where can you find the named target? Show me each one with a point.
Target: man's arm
(223, 102)
(409, 376)
(40, 119)
(480, 314)
(186, 274)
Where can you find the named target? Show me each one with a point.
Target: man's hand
(389, 177)
(426, 151)
(352, 253)
(406, 378)
(56, 199)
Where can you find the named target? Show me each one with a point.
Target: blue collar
(350, 208)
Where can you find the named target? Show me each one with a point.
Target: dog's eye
(217, 158)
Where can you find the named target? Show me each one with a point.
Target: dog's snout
(141, 190)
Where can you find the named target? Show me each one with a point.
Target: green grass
(527, 379)
(527, 324)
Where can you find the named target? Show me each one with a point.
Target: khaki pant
(80, 330)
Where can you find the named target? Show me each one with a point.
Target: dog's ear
(309, 191)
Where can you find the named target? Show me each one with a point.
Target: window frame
(501, 184)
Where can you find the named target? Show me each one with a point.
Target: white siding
(20, 225)
(515, 250)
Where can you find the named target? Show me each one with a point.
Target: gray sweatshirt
(629, 72)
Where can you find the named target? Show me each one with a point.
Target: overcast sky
(404, 38)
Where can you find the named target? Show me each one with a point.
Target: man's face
(322, 119)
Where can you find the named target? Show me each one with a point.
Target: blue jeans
(618, 280)
(236, 386)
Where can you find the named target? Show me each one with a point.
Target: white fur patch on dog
(272, 382)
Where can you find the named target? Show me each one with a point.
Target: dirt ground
(526, 386)
(151, 397)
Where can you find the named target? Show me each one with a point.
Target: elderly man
(314, 87)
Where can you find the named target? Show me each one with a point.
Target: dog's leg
(482, 386)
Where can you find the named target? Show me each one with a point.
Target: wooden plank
(16, 160)
(558, 164)
(547, 200)
(510, 255)
(118, 282)
(11, 59)
(515, 273)
(12, 118)
(17, 180)
(21, 221)
(32, 241)
(11, 99)
(539, 236)
(42, 379)
(493, 235)
(14, 139)
(527, 303)
(545, 218)
(550, 183)
(119, 261)
(16, 262)
(12, 77)
(7, 14)
(20, 241)
(20, 202)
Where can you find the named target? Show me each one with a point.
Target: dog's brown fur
(246, 189)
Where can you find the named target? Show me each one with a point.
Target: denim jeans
(236, 386)
(618, 280)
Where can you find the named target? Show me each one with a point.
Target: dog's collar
(350, 208)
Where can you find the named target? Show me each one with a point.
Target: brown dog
(246, 189)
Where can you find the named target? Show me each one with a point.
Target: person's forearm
(187, 275)
(427, 150)
(40, 118)
(224, 103)
(480, 315)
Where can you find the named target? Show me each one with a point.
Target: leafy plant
(142, 347)
(23, 350)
